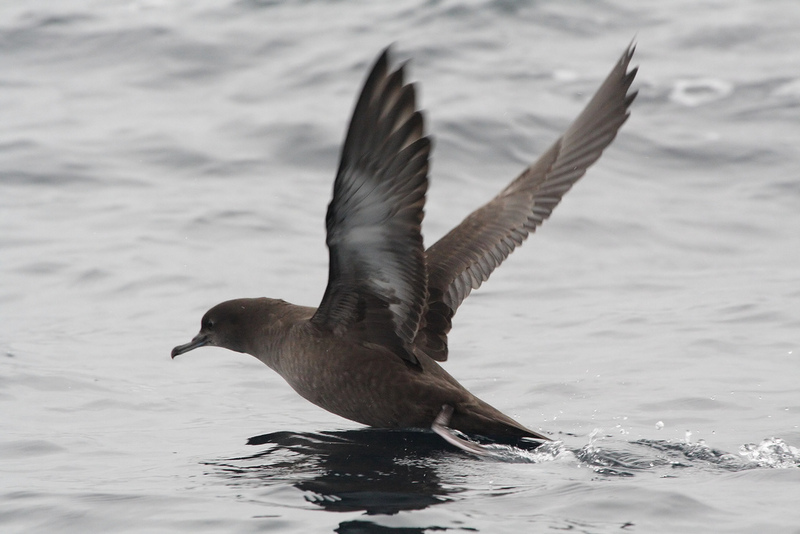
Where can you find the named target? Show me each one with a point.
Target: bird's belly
(374, 389)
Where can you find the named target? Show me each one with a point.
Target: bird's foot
(440, 427)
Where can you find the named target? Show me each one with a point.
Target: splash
(772, 452)
(610, 462)
(626, 459)
(546, 452)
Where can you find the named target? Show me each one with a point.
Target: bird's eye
(209, 324)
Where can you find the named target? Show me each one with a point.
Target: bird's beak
(199, 340)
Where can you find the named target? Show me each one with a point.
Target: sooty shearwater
(370, 351)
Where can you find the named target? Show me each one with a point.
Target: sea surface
(160, 156)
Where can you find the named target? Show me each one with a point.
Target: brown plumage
(368, 351)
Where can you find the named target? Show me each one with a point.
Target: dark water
(157, 157)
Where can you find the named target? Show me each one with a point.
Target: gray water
(157, 157)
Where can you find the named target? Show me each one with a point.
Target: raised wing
(377, 283)
(464, 258)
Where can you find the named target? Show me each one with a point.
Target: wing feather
(377, 283)
(465, 258)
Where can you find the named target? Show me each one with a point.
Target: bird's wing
(377, 282)
(464, 258)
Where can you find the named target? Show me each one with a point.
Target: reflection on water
(379, 472)
(383, 472)
(370, 470)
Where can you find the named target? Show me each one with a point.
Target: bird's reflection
(379, 472)
(370, 470)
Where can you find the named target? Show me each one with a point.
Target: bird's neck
(276, 329)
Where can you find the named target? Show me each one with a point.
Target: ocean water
(158, 157)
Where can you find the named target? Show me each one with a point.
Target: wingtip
(387, 52)
(631, 47)
(629, 75)
(383, 60)
(627, 56)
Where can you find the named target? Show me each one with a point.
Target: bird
(372, 350)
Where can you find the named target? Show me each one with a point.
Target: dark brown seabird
(369, 352)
